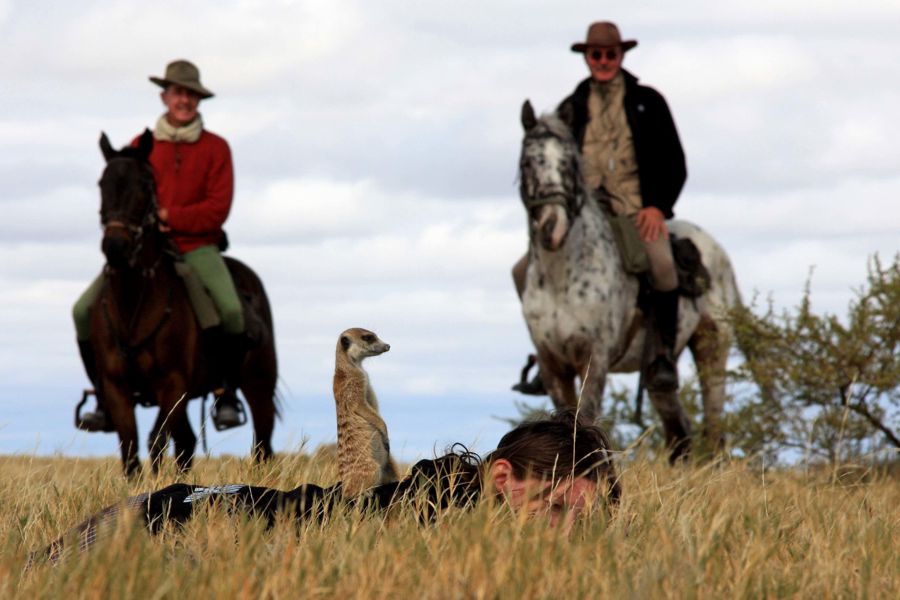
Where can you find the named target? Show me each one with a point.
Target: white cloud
(375, 151)
(859, 208)
(730, 65)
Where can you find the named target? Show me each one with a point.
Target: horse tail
(745, 327)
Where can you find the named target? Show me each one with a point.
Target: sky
(375, 147)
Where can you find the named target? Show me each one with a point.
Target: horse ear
(145, 144)
(105, 147)
(529, 120)
(566, 113)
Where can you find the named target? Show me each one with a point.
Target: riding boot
(227, 352)
(661, 374)
(99, 419)
(535, 387)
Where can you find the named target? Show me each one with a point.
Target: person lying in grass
(553, 468)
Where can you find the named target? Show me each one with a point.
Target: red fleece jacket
(195, 183)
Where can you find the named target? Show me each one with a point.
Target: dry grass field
(689, 532)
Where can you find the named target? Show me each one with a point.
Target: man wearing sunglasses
(633, 158)
(632, 153)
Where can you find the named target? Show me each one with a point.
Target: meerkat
(364, 453)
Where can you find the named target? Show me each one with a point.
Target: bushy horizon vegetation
(827, 387)
(806, 388)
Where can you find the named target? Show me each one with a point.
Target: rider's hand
(163, 214)
(651, 224)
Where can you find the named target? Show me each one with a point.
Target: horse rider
(194, 185)
(632, 157)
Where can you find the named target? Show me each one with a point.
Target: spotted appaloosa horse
(581, 306)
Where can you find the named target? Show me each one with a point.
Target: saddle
(204, 307)
(693, 278)
(201, 301)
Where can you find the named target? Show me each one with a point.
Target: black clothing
(431, 486)
(661, 165)
(660, 367)
(442, 482)
(99, 419)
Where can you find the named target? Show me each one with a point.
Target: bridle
(569, 195)
(134, 232)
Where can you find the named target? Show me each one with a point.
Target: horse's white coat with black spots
(580, 305)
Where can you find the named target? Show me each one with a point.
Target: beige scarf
(166, 132)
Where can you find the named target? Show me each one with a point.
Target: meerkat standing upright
(364, 453)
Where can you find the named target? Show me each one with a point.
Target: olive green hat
(185, 74)
(604, 34)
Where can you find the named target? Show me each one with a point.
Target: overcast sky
(375, 147)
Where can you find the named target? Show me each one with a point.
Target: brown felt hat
(185, 74)
(604, 34)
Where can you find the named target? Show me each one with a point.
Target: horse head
(128, 200)
(550, 183)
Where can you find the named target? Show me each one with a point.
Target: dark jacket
(660, 158)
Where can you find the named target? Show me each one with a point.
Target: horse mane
(551, 124)
(131, 152)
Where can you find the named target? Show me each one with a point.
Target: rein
(138, 233)
(557, 198)
(125, 346)
(148, 219)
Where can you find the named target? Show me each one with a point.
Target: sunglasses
(610, 53)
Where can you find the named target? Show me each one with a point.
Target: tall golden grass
(715, 531)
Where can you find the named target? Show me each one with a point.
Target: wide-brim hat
(185, 74)
(604, 34)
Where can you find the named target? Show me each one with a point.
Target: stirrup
(230, 414)
(535, 387)
(92, 421)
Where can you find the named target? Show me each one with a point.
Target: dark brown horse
(146, 337)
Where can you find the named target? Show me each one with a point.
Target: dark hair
(561, 445)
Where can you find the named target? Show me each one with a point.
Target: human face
(604, 62)
(560, 502)
(181, 104)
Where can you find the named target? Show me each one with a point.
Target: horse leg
(676, 425)
(560, 387)
(259, 391)
(593, 382)
(158, 440)
(122, 414)
(709, 346)
(172, 414)
(185, 442)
